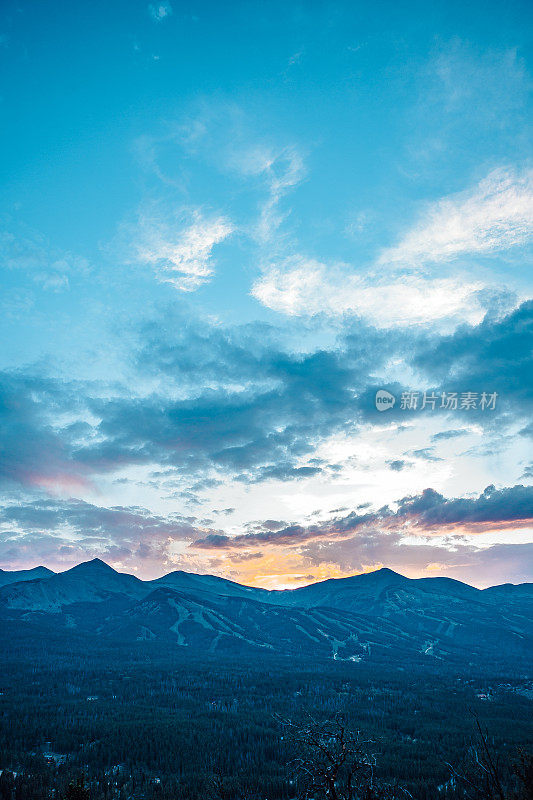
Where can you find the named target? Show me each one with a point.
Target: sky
(266, 288)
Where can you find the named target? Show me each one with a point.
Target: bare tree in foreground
(336, 763)
(485, 777)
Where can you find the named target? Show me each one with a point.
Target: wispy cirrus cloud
(30, 255)
(281, 170)
(401, 287)
(179, 244)
(488, 87)
(226, 137)
(494, 215)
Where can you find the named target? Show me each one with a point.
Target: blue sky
(223, 229)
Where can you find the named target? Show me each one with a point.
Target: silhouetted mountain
(209, 584)
(14, 576)
(93, 581)
(377, 616)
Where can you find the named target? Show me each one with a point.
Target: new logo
(384, 400)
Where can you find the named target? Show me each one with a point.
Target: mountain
(235, 625)
(15, 576)
(93, 581)
(509, 591)
(375, 617)
(362, 593)
(207, 584)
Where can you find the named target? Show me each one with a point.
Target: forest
(153, 722)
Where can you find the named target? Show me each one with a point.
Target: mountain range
(376, 617)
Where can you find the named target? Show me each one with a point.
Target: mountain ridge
(15, 576)
(380, 616)
(382, 571)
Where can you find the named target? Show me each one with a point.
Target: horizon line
(383, 568)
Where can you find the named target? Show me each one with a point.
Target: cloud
(160, 11)
(268, 424)
(65, 531)
(480, 566)
(61, 533)
(451, 434)
(28, 253)
(496, 507)
(231, 402)
(493, 356)
(419, 515)
(397, 465)
(282, 171)
(488, 88)
(235, 403)
(495, 215)
(179, 245)
(36, 450)
(305, 287)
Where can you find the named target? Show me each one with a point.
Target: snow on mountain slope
(379, 615)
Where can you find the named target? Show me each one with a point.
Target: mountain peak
(95, 564)
(378, 575)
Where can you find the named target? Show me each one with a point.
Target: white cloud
(403, 286)
(180, 247)
(221, 136)
(281, 170)
(307, 287)
(160, 11)
(495, 215)
(283, 174)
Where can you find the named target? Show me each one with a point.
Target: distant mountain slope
(208, 584)
(94, 581)
(15, 576)
(362, 593)
(516, 591)
(378, 616)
